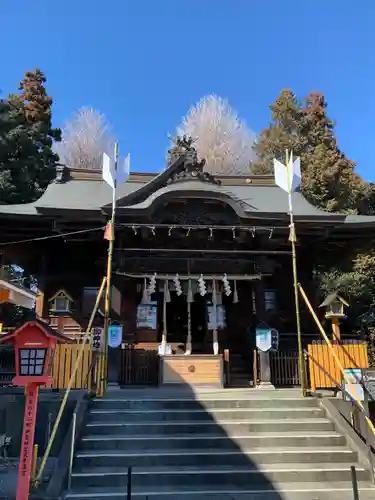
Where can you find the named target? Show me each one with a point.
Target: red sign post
(29, 421)
(34, 344)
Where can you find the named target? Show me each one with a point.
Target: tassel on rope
(167, 292)
(235, 293)
(190, 298)
(145, 295)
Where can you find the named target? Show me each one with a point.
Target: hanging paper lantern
(202, 286)
(177, 284)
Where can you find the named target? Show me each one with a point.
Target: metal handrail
(358, 403)
(74, 425)
(72, 448)
(129, 485)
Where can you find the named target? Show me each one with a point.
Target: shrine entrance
(178, 322)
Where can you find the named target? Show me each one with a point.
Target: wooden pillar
(166, 299)
(188, 349)
(336, 329)
(215, 338)
(40, 305)
(264, 357)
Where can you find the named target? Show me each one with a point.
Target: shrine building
(199, 261)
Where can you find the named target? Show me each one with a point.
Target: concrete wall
(355, 417)
(12, 401)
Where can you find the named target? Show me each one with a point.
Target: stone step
(214, 476)
(164, 415)
(217, 457)
(161, 442)
(280, 491)
(202, 403)
(228, 427)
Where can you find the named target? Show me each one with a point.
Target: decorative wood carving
(192, 168)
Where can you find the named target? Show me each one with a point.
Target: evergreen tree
(284, 132)
(27, 160)
(328, 178)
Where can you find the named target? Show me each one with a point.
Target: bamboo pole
(103, 382)
(293, 239)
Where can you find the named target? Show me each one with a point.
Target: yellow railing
(336, 358)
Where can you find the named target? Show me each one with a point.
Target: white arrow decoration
(288, 177)
(114, 176)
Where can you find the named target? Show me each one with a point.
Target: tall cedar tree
(330, 183)
(284, 132)
(27, 161)
(328, 177)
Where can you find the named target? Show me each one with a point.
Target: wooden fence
(323, 369)
(285, 368)
(63, 364)
(139, 366)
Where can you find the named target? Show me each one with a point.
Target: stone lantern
(335, 306)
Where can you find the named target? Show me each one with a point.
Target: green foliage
(329, 182)
(27, 160)
(328, 178)
(282, 133)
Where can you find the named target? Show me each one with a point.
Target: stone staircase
(226, 444)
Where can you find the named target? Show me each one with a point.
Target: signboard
(164, 349)
(369, 383)
(114, 335)
(352, 383)
(221, 321)
(147, 315)
(274, 339)
(27, 444)
(97, 338)
(263, 339)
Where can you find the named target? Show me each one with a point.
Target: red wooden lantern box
(34, 344)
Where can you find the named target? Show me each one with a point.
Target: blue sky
(144, 62)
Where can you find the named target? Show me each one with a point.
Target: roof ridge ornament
(192, 168)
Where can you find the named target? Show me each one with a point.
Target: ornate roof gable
(182, 165)
(192, 168)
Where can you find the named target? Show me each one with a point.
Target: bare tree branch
(222, 138)
(84, 139)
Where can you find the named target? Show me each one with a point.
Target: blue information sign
(114, 335)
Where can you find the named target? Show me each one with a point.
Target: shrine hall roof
(94, 195)
(252, 197)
